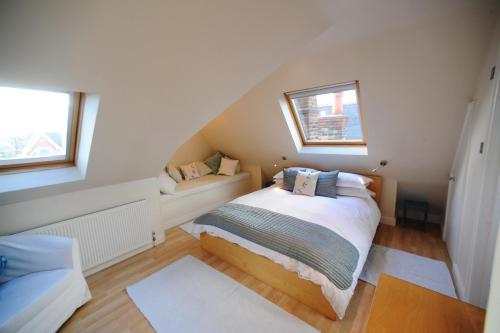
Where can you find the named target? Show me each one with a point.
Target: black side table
(269, 183)
(421, 206)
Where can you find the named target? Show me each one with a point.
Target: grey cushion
(327, 184)
(213, 162)
(289, 175)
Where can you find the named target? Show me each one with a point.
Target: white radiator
(107, 236)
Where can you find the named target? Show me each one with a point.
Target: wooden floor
(110, 309)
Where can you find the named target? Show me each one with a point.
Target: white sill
(33, 179)
(334, 150)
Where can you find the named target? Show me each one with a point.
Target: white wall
(416, 76)
(31, 214)
(162, 68)
(194, 149)
(197, 148)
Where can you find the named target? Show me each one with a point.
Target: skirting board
(116, 260)
(431, 218)
(389, 220)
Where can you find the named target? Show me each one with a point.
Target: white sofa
(42, 284)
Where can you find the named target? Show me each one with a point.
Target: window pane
(329, 117)
(33, 125)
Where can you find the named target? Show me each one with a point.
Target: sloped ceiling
(163, 68)
(417, 63)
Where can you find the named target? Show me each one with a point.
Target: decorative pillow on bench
(190, 171)
(228, 167)
(166, 183)
(213, 162)
(203, 169)
(174, 173)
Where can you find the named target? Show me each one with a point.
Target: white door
(457, 185)
(471, 196)
(464, 198)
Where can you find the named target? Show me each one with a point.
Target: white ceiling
(163, 69)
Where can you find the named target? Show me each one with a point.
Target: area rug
(425, 272)
(190, 296)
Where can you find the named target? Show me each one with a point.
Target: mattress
(353, 218)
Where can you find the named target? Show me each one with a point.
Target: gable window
(328, 115)
(37, 128)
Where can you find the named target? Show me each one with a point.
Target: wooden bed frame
(274, 274)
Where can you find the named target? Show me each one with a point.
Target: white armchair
(42, 284)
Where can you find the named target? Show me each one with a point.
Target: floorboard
(110, 309)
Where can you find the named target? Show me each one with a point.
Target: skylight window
(328, 115)
(37, 128)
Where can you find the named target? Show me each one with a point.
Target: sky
(24, 111)
(348, 97)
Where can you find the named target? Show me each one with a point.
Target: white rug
(425, 272)
(188, 227)
(190, 296)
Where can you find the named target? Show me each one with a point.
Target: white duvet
(353, 218)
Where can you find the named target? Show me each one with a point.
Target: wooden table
(400, 306)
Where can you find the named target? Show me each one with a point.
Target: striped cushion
(327, 184)
(289, 176)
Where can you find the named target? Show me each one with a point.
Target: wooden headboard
(376, 186)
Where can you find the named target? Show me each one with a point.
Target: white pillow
(203, 169)
(190, 171)
(279, 175)
(166, 183)
(174, 173)
(352, 180)
(305, 183)
(355, 192)
(228, 167)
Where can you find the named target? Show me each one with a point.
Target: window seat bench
(198, 196)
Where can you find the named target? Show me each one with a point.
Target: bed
(354, 219)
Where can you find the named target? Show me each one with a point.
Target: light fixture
(382, 164)
(277, 163)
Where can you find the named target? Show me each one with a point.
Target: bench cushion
(201, 184)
